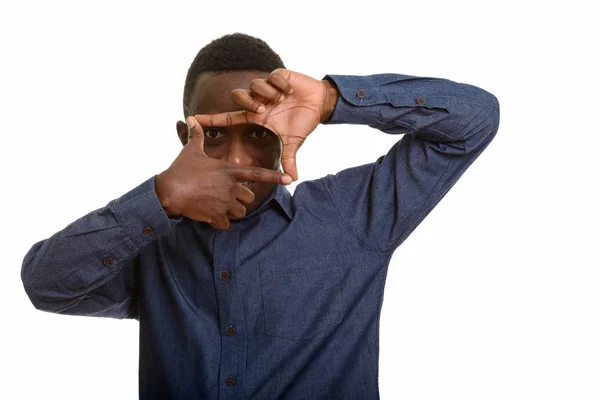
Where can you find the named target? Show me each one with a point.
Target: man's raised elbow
(34, 282)
(32, 290)
(489, 114)
(492, 108)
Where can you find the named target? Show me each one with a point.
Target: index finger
(257, 174)
(223, 119)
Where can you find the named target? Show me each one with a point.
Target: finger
(223, 119)
(257, 174)
(237, 211)
(264, 89)
(221, 223)
(244, 99)
(278, 79)
(243, 194)
(195, 132)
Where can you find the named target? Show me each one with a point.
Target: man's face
(246, 145)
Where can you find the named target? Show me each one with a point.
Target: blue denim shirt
(286, 305)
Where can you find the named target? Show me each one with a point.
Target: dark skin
(233, 144)
(247, 145)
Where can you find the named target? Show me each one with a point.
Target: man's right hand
(206, 189)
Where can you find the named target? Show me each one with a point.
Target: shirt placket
(231, 316)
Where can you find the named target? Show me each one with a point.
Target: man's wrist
(160, 187)
(332, 95)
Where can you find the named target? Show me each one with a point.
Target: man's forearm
(432, 109)
(62, 270)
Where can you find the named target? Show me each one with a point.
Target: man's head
(228, 63)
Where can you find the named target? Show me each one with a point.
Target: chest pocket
(301, 298)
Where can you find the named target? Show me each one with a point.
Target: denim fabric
(296, 315)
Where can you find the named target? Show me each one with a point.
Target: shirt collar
(284, 199)
(280, 196)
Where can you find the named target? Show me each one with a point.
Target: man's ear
(182, 132)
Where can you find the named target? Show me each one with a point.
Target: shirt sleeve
(446, 125)
(90, 267)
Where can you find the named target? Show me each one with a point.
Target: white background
(494, 296)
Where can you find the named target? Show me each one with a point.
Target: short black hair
(234, 52)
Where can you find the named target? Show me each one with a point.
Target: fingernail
(191, 122)
(286, 179)
(281, 98)
(291, 91)
(261, 109)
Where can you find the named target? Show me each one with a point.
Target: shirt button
(230, 330)
(225, 275)
(361, 94)
(148, 231)
(108, 261)
(420, 100)
(230, 381)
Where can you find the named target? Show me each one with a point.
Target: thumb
(195, 132)
(288, 159)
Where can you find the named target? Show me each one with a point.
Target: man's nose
(237, 154)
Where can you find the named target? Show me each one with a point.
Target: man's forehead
(212, 91)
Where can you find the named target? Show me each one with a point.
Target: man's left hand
(288, 103)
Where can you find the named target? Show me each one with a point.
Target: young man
(243, 291)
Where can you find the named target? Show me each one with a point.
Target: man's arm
(446, 126)
(90, 267)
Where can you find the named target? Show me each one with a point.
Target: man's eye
(261, 134)
(212, 134)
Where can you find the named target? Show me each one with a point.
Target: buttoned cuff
(357, 93)
(141, 215)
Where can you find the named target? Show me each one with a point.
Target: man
(243, 291)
